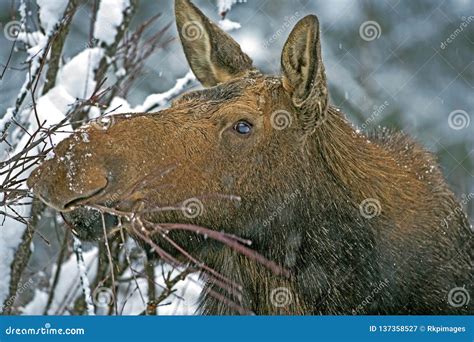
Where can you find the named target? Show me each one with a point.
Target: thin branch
(58, 45)
(22, 255)
(111, 263)
(86, 289)
(59, 264)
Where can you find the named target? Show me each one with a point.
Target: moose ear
(303, 72)
(212, 54)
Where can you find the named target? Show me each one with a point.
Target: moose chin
(355, 219)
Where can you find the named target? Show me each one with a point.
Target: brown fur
(317, 172)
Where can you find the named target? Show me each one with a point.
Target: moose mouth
(84, 199)
(76, 202)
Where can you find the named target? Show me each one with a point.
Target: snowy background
(407, 65)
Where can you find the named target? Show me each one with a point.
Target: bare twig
(111, 263)
(169, 289)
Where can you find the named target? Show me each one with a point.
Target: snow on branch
(224, 6)
(109, 18)
(26, 138)
(51, 12)
(81, 265)
(161, 100)
(154, 101)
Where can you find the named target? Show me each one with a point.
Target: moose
(342, 211)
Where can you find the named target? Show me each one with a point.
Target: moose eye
(243, 127)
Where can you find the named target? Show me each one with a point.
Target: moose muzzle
(63, 187)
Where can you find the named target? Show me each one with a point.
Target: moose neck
(352, 163)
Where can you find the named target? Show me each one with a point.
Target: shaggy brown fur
(301, 187)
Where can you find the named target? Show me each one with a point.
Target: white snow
(229, 25)
(186, 299)
(6, 118)
(109, 18)
(129, 302)
(121, 72)
(12, 231)
(30, 38)
(82, 267)
(154, 100)
(250, 44)
(68, 287)
(50, 12)
(183, 302)
(163, 98)
(223, 6)
(37, 305)
(77, 76)
(10, 238)
(75, 80)
(119, 105)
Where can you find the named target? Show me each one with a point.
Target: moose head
(244, 134)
